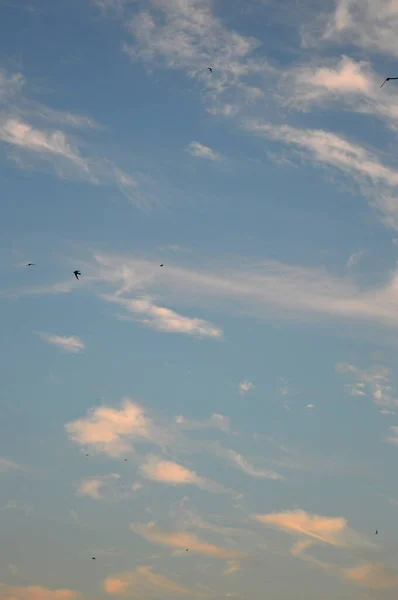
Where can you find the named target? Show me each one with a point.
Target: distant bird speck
(388, 79)
(76, 274)
(376, 532)
(30, 265)
(125, 459)
(161, 265)
(210, 69)
(93, 558)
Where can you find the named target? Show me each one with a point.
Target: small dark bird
(388, 79)
(161, 265)
(376, 532)
(210, 69)
(87, 455)
(30, 265)
(93, 558)
(186, 550)
(76, 274)
(125, 459)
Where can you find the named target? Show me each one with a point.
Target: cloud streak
(200, 151)
(71, 344)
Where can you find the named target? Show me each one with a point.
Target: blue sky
(226, 424)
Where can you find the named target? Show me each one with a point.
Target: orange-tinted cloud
(144, 583)
(36, 592)
(325, 529)
(184, 540)
(111, 431)
(373, 575)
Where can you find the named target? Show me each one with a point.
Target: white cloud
(10, 85)
(352, 159)
(343, 81)
(201, 151)
(93, 486)
(188, 36)
(165, 319)
(265, 289)
(216, 421)
(166, 471)
(373, 382)
(310, 406)
(369, 25)
(111, 431)
(71, 344)
(8, 465)
(245, 387)
(393, 439)
(355, 258)
(19, 133)
(239, 461)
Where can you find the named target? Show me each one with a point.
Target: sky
(224, 425)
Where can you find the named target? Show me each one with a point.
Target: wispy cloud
(8, 465)
(184, 540)
(355, 258)
(371, 26)
(189, 37)
(264, 289)
(328, 530)
(342, 81)
(244, 465)
(330, 149)
(245, 387)
(71, 344)
(93, 486)
(201, 151)
(36, 592)
(216, 421)
(144, 583)
(45, 143)
(165, 319)
(375, 576)
(393, 439)
(10, 84)
(373, 382)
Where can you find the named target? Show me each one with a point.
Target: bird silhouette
(161, 265)
(388, 79)
(210, 69)
(76, 274)
(93, 558)
(376, 532)
(30, 265)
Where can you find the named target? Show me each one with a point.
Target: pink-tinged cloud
(111, 431)
(144, 583)
(184, 540)
(36, 592)
(325, 529)
(373, 575)
(167, 471)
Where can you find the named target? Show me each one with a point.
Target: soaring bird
(210, 69)
(76, 274)
(388, 79)
(30, 265)
(161, 265)
(376, 532)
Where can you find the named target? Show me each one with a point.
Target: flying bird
(30, 265)
(210, 69)
(161, 265)
(93, 558)
(376, 532)
(76, 274)
(388, 79)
